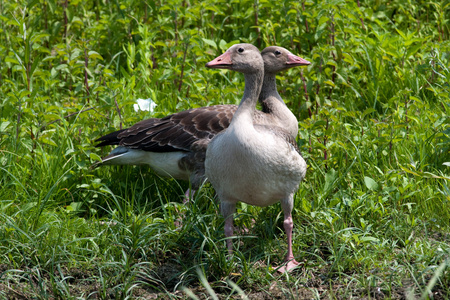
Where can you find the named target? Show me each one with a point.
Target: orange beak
(296, 60)
(221, 61)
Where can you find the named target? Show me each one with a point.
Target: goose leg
(288, 224)
(228, 210)
(229, 233)
(188, 195)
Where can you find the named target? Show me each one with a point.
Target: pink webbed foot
(290, 265)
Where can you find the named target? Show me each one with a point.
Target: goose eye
(240, 50)
(277, 52)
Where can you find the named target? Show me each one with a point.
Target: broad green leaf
(95, 156)
(370, 183)
(319, 123)
(223, 45)
(329, 82)
(368, 111)
(330, 178)
(94, 55)
(4, 125)
(210, 42)
(48, 141)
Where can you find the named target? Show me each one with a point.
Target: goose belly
(258, 173)
(164, 163)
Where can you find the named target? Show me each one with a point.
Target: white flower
(144, 104)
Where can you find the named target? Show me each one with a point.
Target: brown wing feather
(109, 139)
(174, 132)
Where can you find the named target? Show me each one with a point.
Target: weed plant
(371, 217)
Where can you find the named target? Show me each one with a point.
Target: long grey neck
(247, 107)
(274, 106)
(269, 97)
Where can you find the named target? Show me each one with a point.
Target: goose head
(278, 59)
(244, 58)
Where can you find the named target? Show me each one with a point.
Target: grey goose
(258, 164)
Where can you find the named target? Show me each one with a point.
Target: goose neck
(269, 96)
(253, 84)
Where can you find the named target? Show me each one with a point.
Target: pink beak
(296, 60)
(220, 61)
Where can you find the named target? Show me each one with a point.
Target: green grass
(371, 217)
